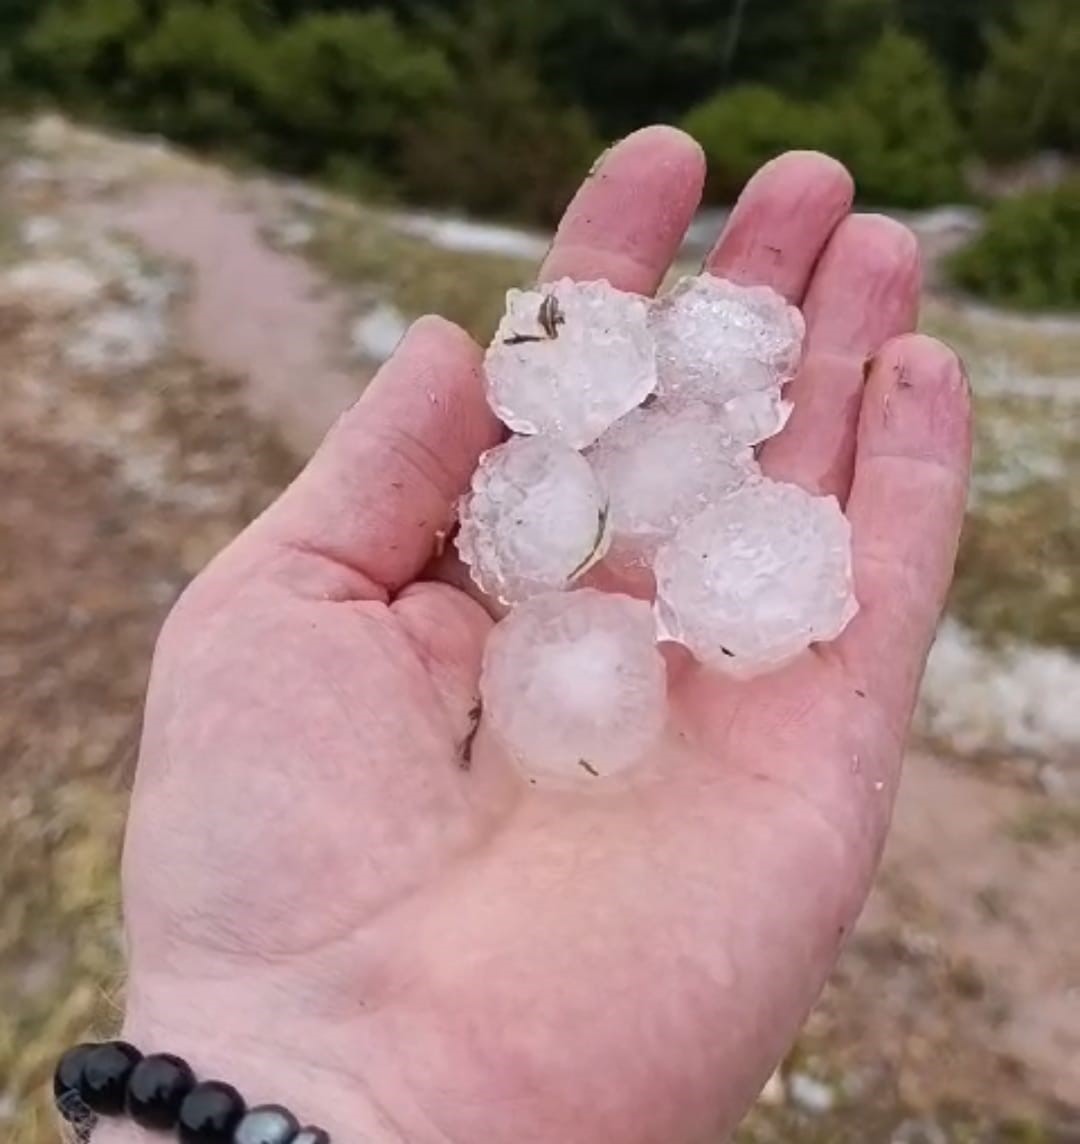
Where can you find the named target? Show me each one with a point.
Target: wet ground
(174, 338)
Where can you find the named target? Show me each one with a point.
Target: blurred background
(217, 218)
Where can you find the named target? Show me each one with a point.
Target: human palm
(341, 898)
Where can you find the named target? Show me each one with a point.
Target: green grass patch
(1047, 824)
(1005, 342)
(1018, 570)
(362, 247)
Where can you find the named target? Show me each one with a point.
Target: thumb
(369, 510)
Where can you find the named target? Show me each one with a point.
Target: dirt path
(252, 312)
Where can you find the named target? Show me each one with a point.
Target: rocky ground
(174, 337)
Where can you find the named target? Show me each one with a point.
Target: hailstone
(754, 579)
(574, 686)
(718, 341)
(660, 465)
(534, 520)
(569, 359)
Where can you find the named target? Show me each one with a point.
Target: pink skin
(328, 911)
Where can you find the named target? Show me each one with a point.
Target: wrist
(281, 1065)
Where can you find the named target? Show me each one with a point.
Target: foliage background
(495, 106)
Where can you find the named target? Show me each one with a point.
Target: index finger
(630, 216)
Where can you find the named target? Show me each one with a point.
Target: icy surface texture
(756, 578)
(717, 341)
(570, 359)
(535, 519)
(755, 417)
(661, 465)
(574, 685)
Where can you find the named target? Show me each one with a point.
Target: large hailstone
(570, 359)
(535, 519)
(756, 578)
(661, 465)
(734, 346)
(574, 685)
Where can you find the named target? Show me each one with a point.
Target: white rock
(376, 334)
(53, 285)
(574, 685)
(716, 341)
(809, 1094)
(661, 465)
(535, 519)
(117, 340)
(570, 359)
(1000, 700)
(49, 132)
(468, 237)
(756, 578)
(41, 230)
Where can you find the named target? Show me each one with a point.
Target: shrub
(1028, 95)
(741, 128)
(198, 74)
(500, 148)
(81, 49)
(891, 123)
(894, 126)
(1029, 253)
(352, 85)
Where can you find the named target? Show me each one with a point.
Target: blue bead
(267, 1124)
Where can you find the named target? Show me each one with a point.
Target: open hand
(329, 908)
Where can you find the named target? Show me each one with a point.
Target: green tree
(742, 127)
(1028, 96)
(351, 84)
(1029, 253)
(81, 48)
(894, 125)
(503, 145)
(891, 122)
(199, 74)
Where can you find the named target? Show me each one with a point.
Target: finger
(378, 497)
(625, 224)
(630, 216)
(781, 223)
(906, 510)
(864, 292)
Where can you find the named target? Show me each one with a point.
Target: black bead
(311, 1135)
(105, 1076)
(210, 1113)
(267, 1124)
(156, 1089)
(69, 1070)
(67, 1083)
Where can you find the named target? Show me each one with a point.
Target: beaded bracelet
(160, 1092)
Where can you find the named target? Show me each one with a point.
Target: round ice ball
(569, 359)
(755, 579)
(716, 340)
(661, 465)
(535, 519)
(574, 685)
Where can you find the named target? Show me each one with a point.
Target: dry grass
(362, 248)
